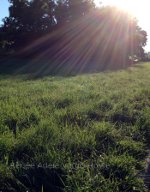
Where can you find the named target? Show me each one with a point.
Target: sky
(3, 9)
(139, 8)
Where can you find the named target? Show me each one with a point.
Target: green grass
(92, 130)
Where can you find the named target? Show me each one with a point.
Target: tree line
(74, 33)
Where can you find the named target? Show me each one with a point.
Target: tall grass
(82, 133)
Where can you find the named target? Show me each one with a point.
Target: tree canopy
(72, 32)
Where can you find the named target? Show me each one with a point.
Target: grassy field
(84, 133)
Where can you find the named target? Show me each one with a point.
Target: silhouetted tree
(73, 32)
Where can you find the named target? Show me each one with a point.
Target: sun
(133, 7)
(137, 8)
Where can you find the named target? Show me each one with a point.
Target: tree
(71, 10)
(74, 32)
(119, 38)
(29, 20)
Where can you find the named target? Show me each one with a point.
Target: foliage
(73, 31)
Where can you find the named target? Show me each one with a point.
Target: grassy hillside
(82, 133)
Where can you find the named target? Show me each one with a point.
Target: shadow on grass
(36, 180)
(35, 69)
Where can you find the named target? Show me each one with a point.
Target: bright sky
(3, 9)
(139, 8)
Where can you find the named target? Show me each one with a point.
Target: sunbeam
(80, 43)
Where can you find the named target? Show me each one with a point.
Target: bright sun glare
(138, 8)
